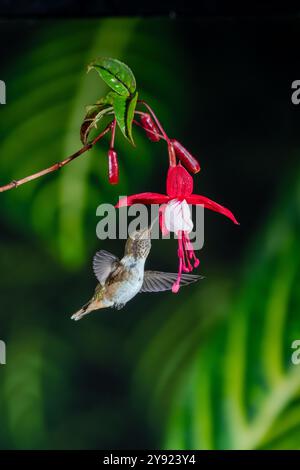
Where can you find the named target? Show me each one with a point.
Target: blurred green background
(209, 368)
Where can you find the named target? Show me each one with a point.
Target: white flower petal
(178, 216)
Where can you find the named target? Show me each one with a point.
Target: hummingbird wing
(158, 281)
(104, 263)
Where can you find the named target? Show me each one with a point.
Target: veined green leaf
(116, 74)
(95, 113)
(124, 111)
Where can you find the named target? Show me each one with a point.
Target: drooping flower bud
(113, 167)
(150, 127)
(185, 157)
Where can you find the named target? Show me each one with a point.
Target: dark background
(204, 8)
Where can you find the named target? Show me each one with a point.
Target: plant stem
(171, 151)
(113, 133)
(58, 165)
(155, 119)
(172, 154)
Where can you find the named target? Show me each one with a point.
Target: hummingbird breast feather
(128, 283)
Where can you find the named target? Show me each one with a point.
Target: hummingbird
(120, 280)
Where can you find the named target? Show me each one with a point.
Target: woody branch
(66, 161)
(56, 166)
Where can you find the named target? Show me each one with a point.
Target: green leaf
(124, 112)
(91, 120)
(116, 74)
(94, 115)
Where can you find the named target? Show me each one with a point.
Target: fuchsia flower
(175, 215)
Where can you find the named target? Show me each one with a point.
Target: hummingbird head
(139, 243)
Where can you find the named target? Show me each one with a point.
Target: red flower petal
(142, 198)
(179, 182)
(209, 204)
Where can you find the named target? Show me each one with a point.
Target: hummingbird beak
(152, 225)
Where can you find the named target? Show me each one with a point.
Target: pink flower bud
(185, 157)
(150, 127)
(113, 167)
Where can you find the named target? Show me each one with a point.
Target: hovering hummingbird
(121, 280)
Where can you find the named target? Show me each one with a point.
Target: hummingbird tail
(80, 313)
(87, 308)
